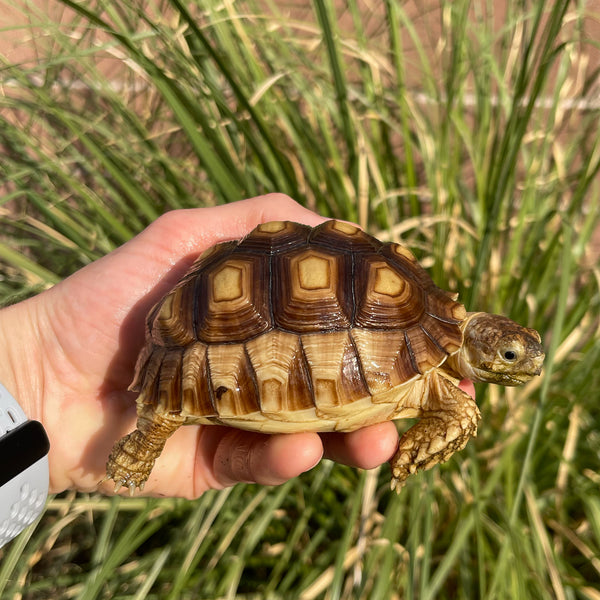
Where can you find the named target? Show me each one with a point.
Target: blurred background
(467, 130)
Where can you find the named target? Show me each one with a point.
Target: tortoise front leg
(134, 455)
(449, 420)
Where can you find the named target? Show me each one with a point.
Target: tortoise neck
(459, 364)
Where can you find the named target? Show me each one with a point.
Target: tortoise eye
(509, 355)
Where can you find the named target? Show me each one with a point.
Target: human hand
(71, 353)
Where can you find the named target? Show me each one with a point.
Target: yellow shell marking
(314, 273)
(315, 276)
(227, 284)
(345, 228)
(272, 227)
(388, 283)
(404, 253)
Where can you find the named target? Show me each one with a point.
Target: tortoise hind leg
(134, 455)
(449, 420)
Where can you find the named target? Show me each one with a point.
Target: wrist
(24, 445)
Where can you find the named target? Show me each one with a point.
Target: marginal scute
(141, 365)
(425, 350)
(384, 359)
(195, 392)
(233, 386)
(448, 335)
(335, 371)
(150, 374)
(281, 373)
(169, 382)
(444, 307)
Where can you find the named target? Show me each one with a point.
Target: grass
(450, 128)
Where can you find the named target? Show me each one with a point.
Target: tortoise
(294, 328)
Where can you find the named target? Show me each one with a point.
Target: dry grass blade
(542, 535)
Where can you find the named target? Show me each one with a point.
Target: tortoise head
(498, 350)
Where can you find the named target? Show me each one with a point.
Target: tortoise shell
(296, 328)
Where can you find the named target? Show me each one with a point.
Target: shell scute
(234, 303)
(425, 351)
(445, 308)
(335, 372)
(210, 256)
(275, 236)
(446, 333)
(168, 394)
(196, 395)
(343, 237)
(405, 262)
(148, 372)
(312, 290)
(233, 386)
(384, 359)
(385, 298)
(173, 320)
(281, 372)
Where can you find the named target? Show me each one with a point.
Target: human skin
(68, 356)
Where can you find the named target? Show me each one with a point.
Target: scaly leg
(133, 456)
(449, 420)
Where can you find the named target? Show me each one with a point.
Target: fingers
(228, 456)
(466, 385)
(365, 448)
(240, 218)
(188, 231)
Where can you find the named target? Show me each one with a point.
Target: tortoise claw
(119, 483)
(396, 485)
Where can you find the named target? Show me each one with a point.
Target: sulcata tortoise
(296, 328)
